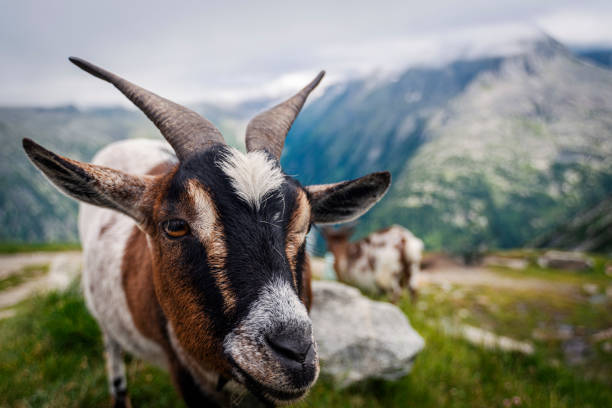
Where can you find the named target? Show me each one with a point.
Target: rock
(602, 335)
(512, 263)
(487, 339)
(359, 338)
(574, 261)
(590, 288)
(563, 332)
(598, 299)
(609, 269)
(576, 351)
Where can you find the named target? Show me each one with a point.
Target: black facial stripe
(256, 245)
(196, 271)
(254, 240)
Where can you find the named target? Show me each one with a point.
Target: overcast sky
(227, 50)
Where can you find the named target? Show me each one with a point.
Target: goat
(194, 255)
(386, 261)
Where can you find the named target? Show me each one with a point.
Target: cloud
(204, 50)
(579, 27)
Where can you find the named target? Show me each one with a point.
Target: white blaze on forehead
(253, 175)
(204, 208)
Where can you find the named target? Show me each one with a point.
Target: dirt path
(441, 270)
(478, 276)
(10, 264)
(63, 268)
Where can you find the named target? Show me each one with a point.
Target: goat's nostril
(295, 349)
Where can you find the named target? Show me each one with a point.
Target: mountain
(597, 56)
(589, 230)
(31, 209)
(488, 152)
(484, 153)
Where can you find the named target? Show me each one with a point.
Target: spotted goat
(194, 252)
(384, 262)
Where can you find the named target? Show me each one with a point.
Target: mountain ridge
(460, 189)
(484, 152)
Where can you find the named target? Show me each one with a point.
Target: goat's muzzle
(272, 350)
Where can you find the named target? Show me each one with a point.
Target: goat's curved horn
(186, 131)
(267, 131)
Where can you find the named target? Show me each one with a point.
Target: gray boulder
(512, 263)
(359, 338)
(575, 261)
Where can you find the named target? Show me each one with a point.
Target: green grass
(521, 314)
(453, 373)
(17, 247)
(51, 355)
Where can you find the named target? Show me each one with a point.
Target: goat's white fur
(253, 175)
(383, 247)
(103, 254)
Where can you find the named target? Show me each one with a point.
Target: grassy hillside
(51, 352)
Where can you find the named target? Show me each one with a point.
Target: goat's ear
(97, 185)
(347, 200)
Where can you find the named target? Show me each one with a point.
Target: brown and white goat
(385, 261)
(194, 253)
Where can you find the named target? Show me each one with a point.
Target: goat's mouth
(276, 371)
(272, 351)
(267, 394)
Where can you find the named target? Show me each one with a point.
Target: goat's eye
(176, 228)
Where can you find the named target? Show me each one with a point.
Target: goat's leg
(415, 270)
(115, 370)
(396, 294)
